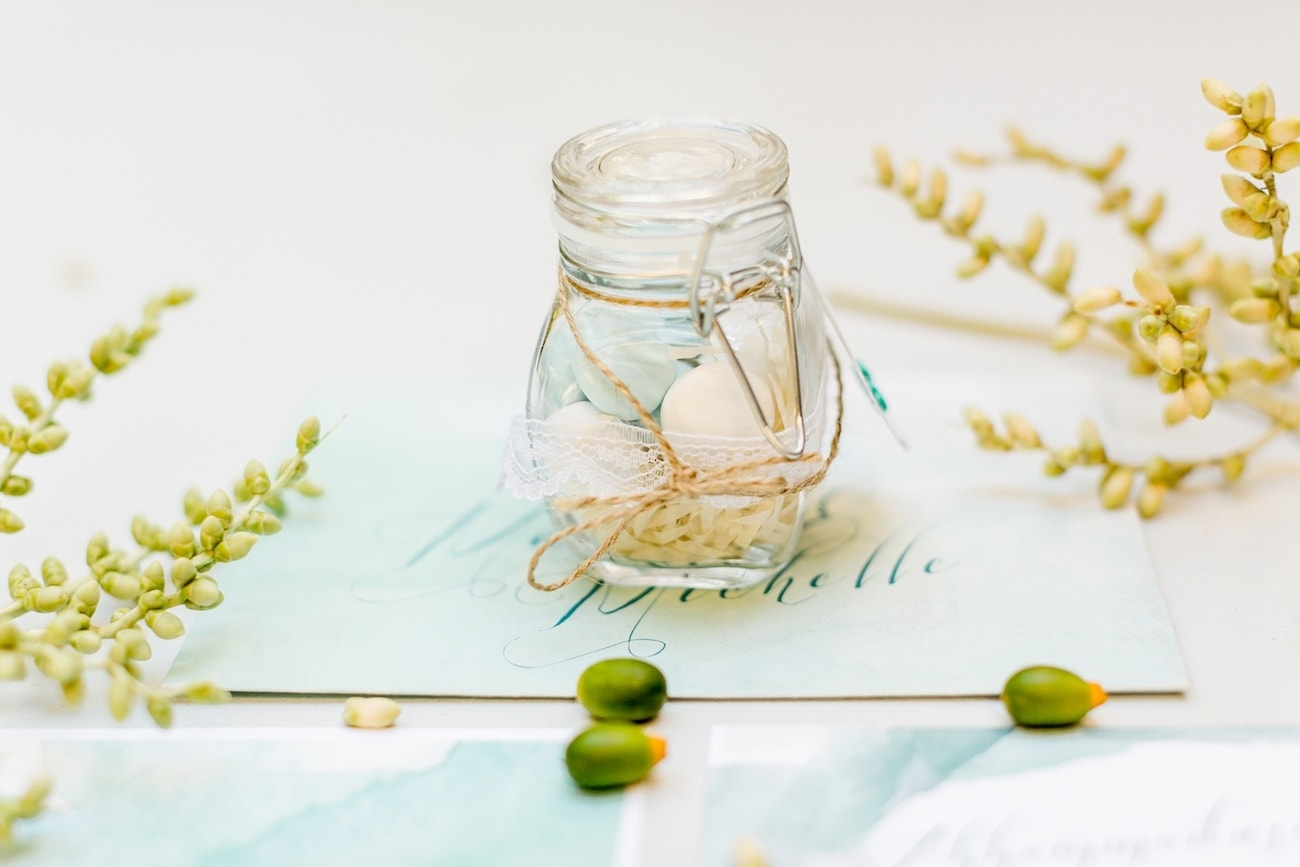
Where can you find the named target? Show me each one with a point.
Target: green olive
(622, 689)
(1042, 695)
(612, 754)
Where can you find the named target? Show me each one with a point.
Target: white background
(364, 186)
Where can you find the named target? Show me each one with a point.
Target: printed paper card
(920, 573)
(805, 796)
(277, 797)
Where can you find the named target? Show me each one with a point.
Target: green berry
(612, 754)
(1042, 695)
(622, 689)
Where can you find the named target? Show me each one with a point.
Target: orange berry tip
(658, 749)
(1097, 695)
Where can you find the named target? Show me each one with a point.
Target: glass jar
(676, 409)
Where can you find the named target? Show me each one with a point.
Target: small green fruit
(1042, 695)
(622, 689)
(612, 754)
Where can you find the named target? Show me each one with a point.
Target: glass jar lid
(624, 184)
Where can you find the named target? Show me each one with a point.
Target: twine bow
(682, 480)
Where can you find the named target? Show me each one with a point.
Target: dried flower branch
(26, 806)
(1165, 334)
(39, 433)
(70, 641)
(53, 622)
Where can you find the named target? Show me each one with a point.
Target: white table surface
(359, 187)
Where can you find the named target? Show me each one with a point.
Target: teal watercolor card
(920, 573)
(809, 796)
(273, 798)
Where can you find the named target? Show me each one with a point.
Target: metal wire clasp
(782, 271)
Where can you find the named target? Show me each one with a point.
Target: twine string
(682, 480)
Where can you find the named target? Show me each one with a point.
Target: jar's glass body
(706, 325)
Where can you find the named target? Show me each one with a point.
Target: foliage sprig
(1164, 324)
(60, 625)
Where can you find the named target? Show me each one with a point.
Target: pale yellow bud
(972, 266)
(1221, 96)
(1243, 368)
(1282, 130)
(1150, 500)
(1176, 410)
(1152, 287)
(27, 401)
(202, 592)
(938, 187)
(205, 693)
(62, 665)
(1069, 332)
(153, 577)
(1286, 157)
(177, 296)
(165, 625)
(87, 595)
(1277, 369)
(180, 540)
(12, 666)
(370, 713)
(160, 710)
(1290, 342)
(54, 377)
(151, 600)
(120, 696)
(48, 598)
(9, 522)
(183, 572)
(1197, 393)
(1238, 188)
(1254, 310)
(1115, 487)
(87, 641)
(76, 384)
(1232, 467)
(909, 181)
(1241, 223)
(1021, 431)
(978, 421)
(47, 439)
(234, 547)
(1090, 448)
(1096, 298)
(263, 523)
(220, 507)
(1226, 134)
(210, 532)
(255, 477)
(884, 167)
(195, 506)
(1189, 319)
(970, 209)
(1261, 207)
(1251, 160)
(121, 586)
(1033, 238)
(309, 489)
(1254, 110)
(1169, 350)
(308, 435)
